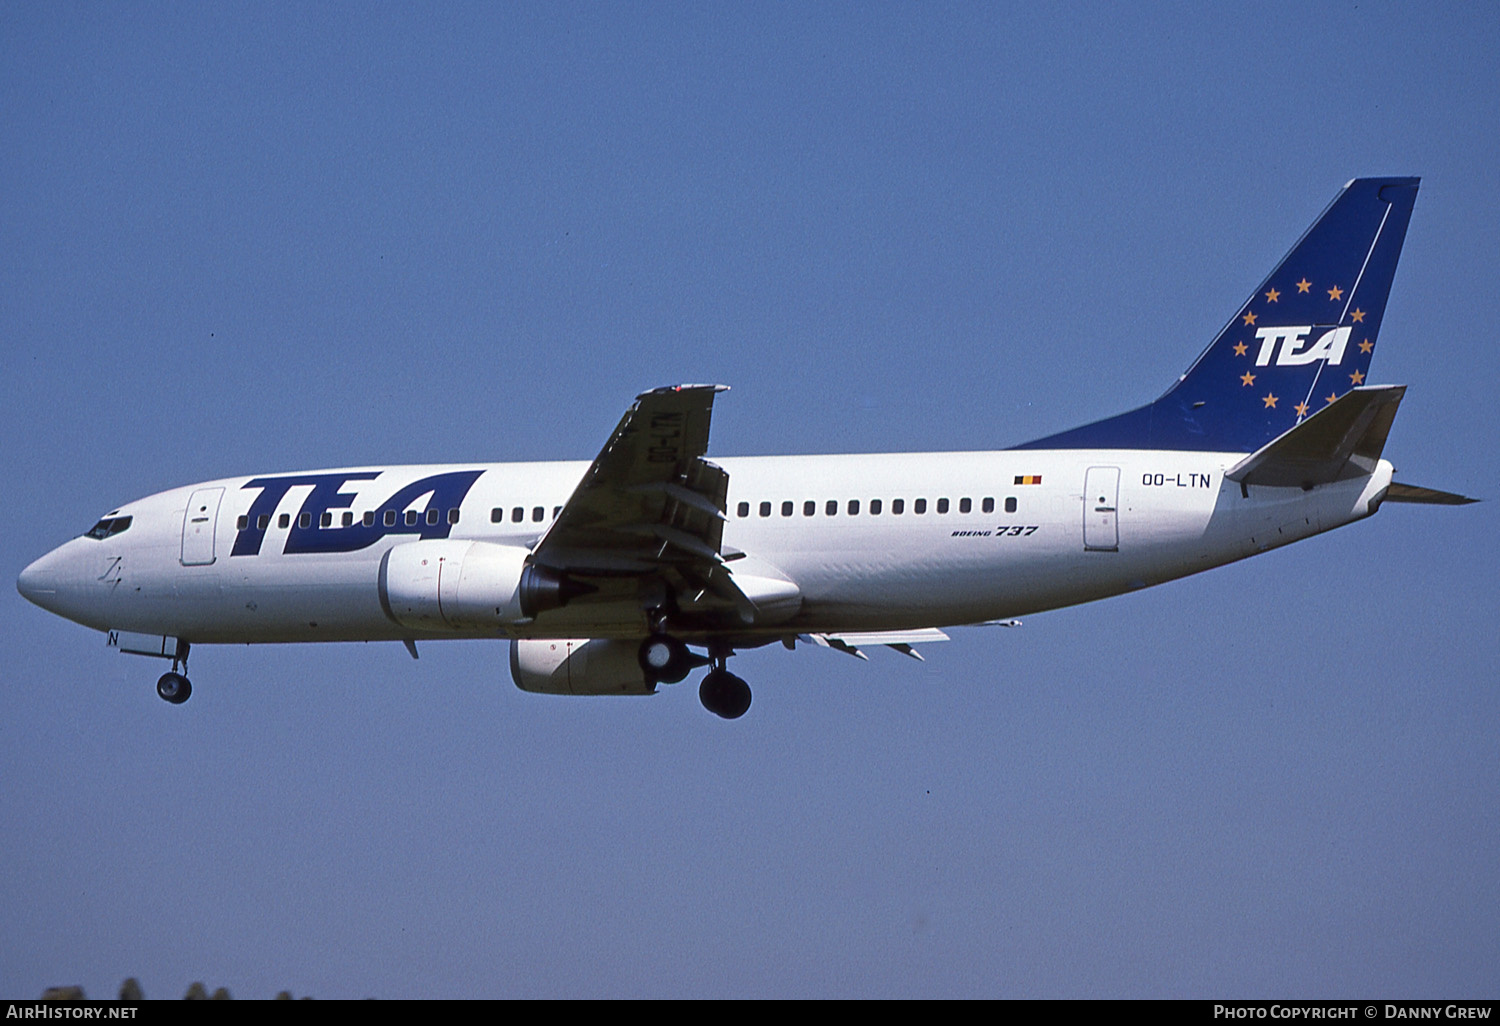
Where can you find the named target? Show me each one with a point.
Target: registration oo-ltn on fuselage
(618, 575)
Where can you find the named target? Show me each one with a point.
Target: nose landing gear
(174, 687)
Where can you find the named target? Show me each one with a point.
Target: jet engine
(450, 585)
(576, 666)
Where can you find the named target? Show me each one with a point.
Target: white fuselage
(998, 534)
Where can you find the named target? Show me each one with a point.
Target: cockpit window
(108, 527)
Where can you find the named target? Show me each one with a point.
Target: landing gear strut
(172, 686)
(722, 693)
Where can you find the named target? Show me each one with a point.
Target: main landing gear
(666, 660)
(724, 694)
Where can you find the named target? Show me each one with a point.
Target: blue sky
(249, 238)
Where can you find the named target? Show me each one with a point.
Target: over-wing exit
(615, 576)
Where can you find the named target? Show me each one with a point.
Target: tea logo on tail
(1296, 347)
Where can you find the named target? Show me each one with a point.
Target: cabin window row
(518, 514)
(389, 518)
(875, 507)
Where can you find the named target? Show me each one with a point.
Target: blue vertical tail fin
(1303, 339)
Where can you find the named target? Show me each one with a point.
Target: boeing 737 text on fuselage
(615, 576)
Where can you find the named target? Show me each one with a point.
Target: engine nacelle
(450, 585)
(578, 666)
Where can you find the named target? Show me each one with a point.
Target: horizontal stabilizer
(1342, 440)
(1427, 496)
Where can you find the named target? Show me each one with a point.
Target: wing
(650, 498)
(651, 506)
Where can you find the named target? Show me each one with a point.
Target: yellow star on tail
(1247, 378)
(1304, 285)
(1335, 293)
(1269, 400)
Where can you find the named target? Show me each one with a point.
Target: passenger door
(199, 521)
(1101, 498)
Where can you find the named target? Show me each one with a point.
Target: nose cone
(49, 581)
(38, 582)
(68, 581)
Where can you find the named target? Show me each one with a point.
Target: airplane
(614, 576)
